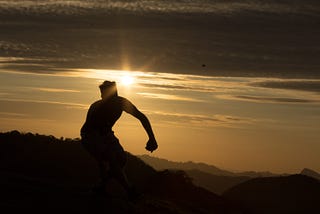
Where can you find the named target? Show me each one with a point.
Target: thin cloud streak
(204, 121)
(55, 90)
(12, 114)
(176, 87)
(66, 104)
(4, 94)
(168, 97)
(263, 99)
(296, 84)
(27, 120)
(44, 72)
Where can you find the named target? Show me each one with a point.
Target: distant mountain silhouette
(310, 173)
(43, 173)
(203, 175)
(160, 164)
(215, 183)
(278, 195)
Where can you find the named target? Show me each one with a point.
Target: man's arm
(131, 109)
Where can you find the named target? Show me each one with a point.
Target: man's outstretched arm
(131, 109)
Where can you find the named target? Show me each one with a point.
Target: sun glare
(127, 80)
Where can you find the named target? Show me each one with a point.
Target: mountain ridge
(161, 163)
(217, 184)
(310, 173)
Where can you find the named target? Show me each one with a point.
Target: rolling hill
(41, 173)
(203, 175)
(160, 164)
(310, 173)
(286, 194)
(46, 174)
(214, 183)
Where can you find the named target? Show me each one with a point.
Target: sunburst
(127, 80)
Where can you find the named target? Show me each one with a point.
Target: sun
(127, 80)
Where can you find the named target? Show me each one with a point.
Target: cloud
(301, 85)
(46, 65)
(264, 99)
(4, 94)
(203, 6)
(176, 87)
(201, 121)
(66, 104)
(56, 90)
(33, 68)
(168, 97)
(164, 81)
(194, 83)
(12, 114)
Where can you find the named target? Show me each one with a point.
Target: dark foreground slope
(203, 175)
(217, 184)
(311, 173)
(287, 194)
(43, 174)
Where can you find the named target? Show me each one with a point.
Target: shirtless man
(99, 140)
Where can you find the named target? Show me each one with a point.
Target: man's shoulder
(122, 98)
(124, 102)
(96, 103)
(117, 100)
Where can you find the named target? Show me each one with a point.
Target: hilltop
(292, 194)
(310, 173)
(40, 173)
(43, 173)
(204, 175)
(161, 163)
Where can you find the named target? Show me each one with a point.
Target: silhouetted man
(99, 140)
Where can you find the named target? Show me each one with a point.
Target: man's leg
(104, 172)
(105, 175)
(116, 171)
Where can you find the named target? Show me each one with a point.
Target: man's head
(108, 89)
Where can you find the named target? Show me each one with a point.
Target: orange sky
(234, 123)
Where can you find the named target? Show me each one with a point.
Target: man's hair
(111, 86)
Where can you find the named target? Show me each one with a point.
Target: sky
(216, 86)
(233, 122)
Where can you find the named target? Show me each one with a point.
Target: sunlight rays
(127, 80)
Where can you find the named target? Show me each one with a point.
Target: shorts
(104, 147)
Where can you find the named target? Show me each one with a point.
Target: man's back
(103, 114)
